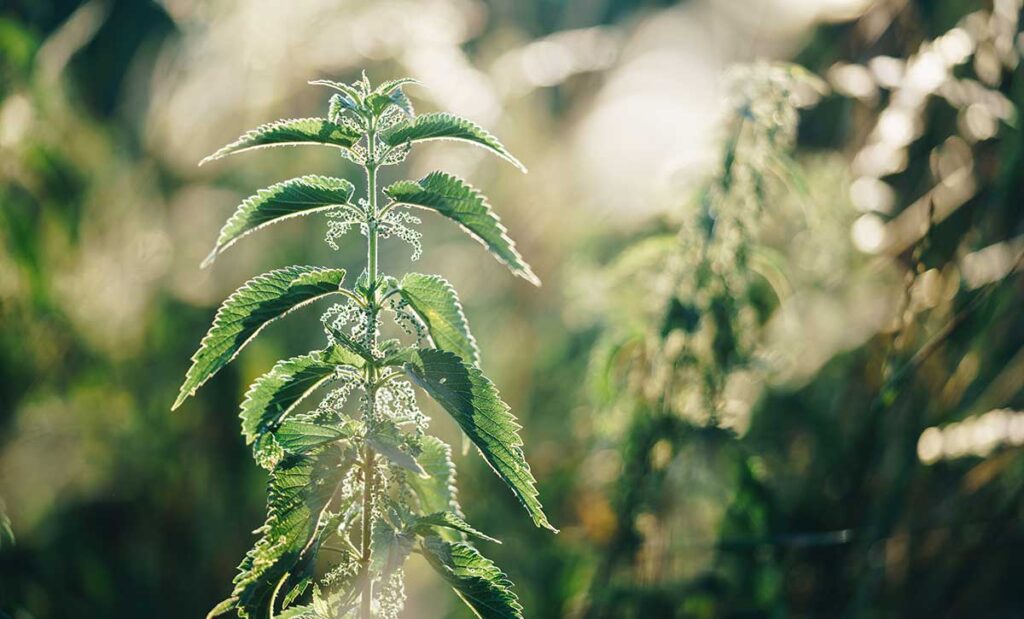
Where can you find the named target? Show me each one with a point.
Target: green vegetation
(355, 484)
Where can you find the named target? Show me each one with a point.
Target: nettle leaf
(387, 440)
(258, 302)
(351, 93)
(475, 578)
(437, 491)
(436, 303)
(390, 85)
(275, 394)
(448, 520)
(390, 93)
(281, 201)
(402, 102)
(390, 548)
(291, 132)
(444, 126)
(457, 200)
(300, 490)
(300, 436)
(473, 401)
(303, 574)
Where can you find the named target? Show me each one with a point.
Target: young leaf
(258, 302)
(449, 520)
(475, 578)
(459, 201)
(390, 85)
(291, 132)
(352, 94)
(473, 401)
(388, 94)
(401, 101)
(291, 198)
(300, 490)
(443, 126)
(436, 303)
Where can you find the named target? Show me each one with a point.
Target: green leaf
(353, 94)
(437, 491)
(291, 132)
(402, 102)
(387, 440)
(390, 85)
(390, 93)
(300, 490)
(459, 201)
(296, 591)
(475, 578)
(291, 198)
(473, 401)
(389, 548)
(258, 302)
(448, 520)
(436, 303)
(274, 394)
(299, 436)
(443, 126)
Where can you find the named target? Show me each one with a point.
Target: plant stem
(365, 611)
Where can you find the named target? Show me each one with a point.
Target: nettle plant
(365, 481)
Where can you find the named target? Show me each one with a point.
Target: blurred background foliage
(776, 367)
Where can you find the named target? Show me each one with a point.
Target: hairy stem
(365, 611)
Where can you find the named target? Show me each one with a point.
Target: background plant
(370, 488)
(661, 369)
(707, 521)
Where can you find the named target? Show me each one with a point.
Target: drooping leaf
(387, 440)
(300, 490)
(291, 132)
(259, 301)
(459, 201)
(444, 126)
(291, 198)
(448, 520)
(275, 394)
(390, 548)
(473, 401)
(435, 301)
(475, 578)
(437, 491)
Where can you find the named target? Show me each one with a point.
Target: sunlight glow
(975, 436)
